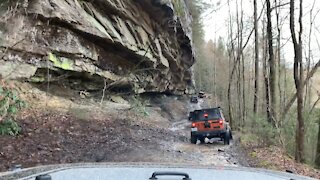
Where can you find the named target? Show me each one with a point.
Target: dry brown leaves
(275, 158)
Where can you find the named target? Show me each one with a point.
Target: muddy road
(212, 152)
(175, 147)
(91, 134)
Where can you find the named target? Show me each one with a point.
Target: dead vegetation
(274, 157)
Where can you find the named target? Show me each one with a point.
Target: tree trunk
(266, 84)
(231, 57)
(279, 82)
(317, 160)
(256, 64)
(229, 102)
(265, 74)
(238, 62)
(300, 127)
(272, 72)
(239, 94)
(242, 68)
(243, 95)
(298, 80)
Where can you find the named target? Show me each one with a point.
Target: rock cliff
(122, 45)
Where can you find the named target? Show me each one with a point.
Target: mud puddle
(212, 152)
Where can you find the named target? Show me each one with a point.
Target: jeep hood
(135, 171)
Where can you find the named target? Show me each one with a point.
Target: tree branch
(280, 5)
(293, 98)
(314, 104)
(251, 32)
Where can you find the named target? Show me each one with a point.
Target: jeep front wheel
(193, 139)
(226, 138)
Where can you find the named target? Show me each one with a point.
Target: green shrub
(10, 105)
(311, 135)
(179, 7)
(311, 130)
(140, 106)
(9, 127)
(288, 130)
(288, 133)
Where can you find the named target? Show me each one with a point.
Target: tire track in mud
(213, 152)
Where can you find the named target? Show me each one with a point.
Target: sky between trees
(215, 21)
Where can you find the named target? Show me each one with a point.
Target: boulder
(118, 99)
(143, 42)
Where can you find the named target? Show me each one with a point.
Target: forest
(264, 70)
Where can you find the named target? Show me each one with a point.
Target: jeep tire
(226, 138)
(193, 139)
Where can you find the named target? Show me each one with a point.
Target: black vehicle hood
(133, 171)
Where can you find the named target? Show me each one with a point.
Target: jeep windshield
(206, 114)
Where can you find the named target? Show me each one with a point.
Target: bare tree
(231, 59)
(312, 18)
(298, 80)
(265, 74)
(277, 9)
(244, 109)
(240, 64)
(272, 72)
(256, 64)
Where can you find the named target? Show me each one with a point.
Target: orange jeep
(209, 123)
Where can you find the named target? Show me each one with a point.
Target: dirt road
(89, 134)
(175, 147)
(212, 152)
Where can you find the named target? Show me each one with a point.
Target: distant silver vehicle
(194, 99)
(202, 94)
(145, 171)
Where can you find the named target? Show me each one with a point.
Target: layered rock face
(130, 45)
